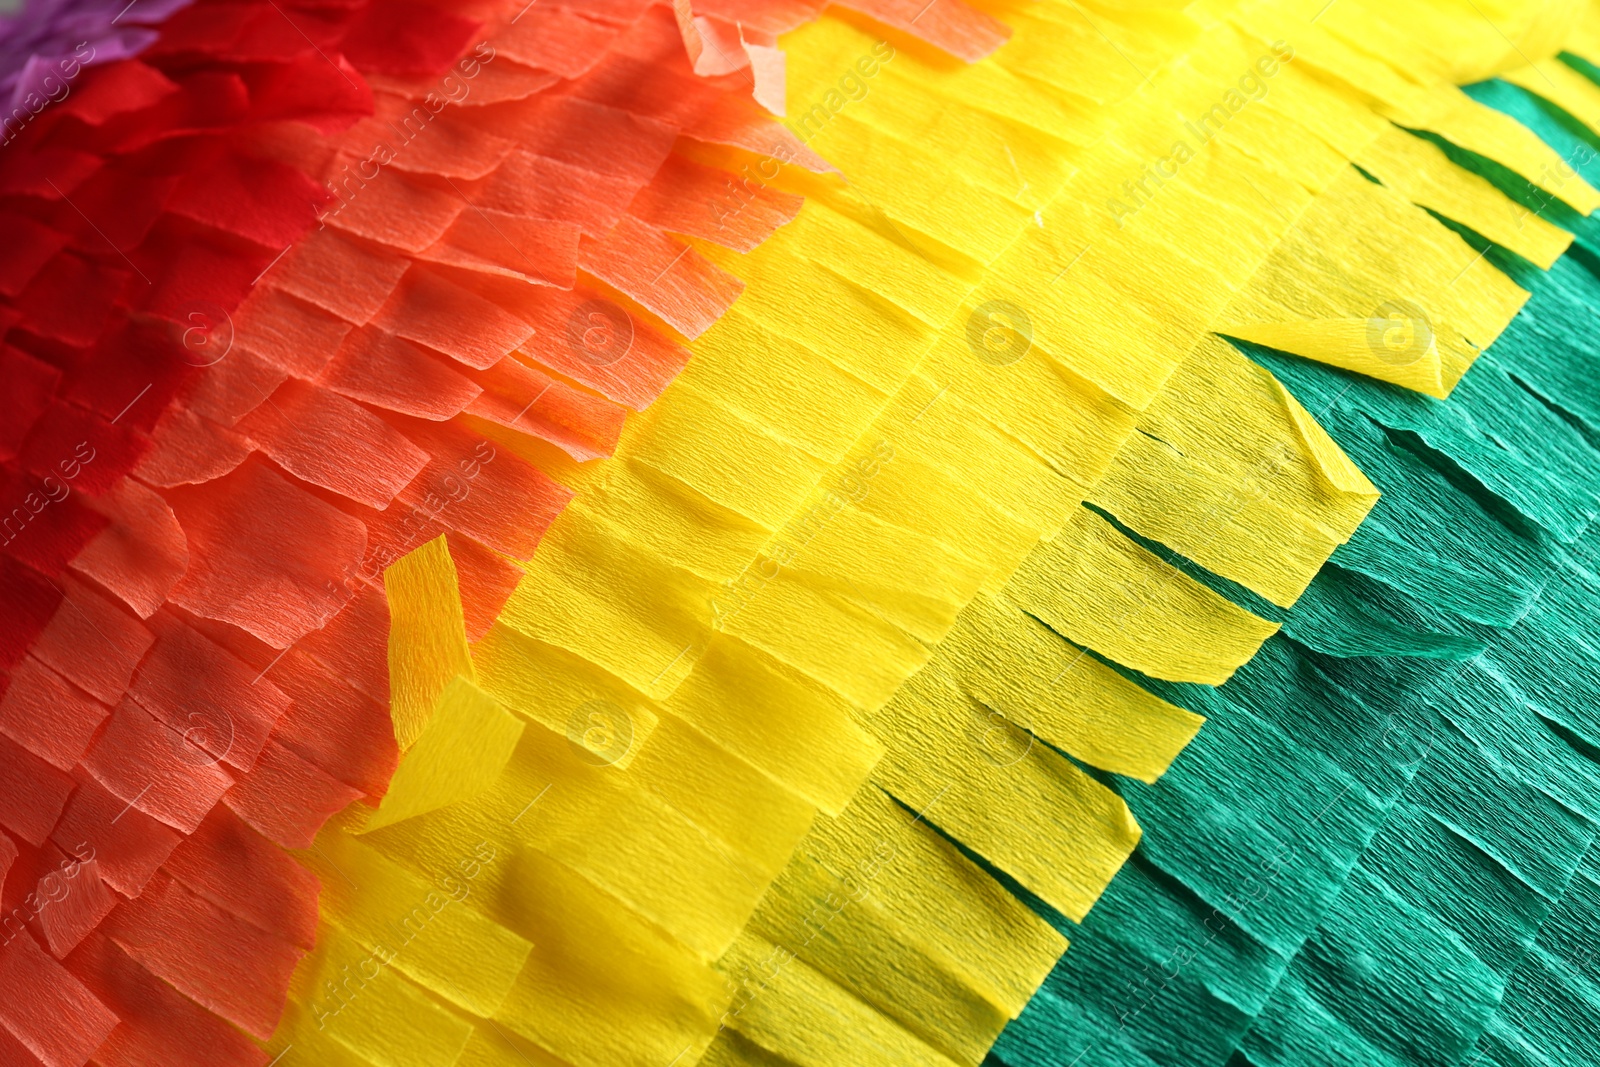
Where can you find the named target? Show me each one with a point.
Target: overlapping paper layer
(894, 549)
(285, 298)
(771, 738)
(1435, 905)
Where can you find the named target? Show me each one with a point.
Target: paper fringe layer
(284, 298)
(702, 607)
(691, 783)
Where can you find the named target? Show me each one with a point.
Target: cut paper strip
(737, 212)
(425, 928)
(558, 39)
(1135, 599)
(77, 911)
(151, 766)
(287, 798)
(460, 752)
(142, 552)
(671, 279)
(385, 371)
(157, 1022)
(48, 716)
(217, 706)
(433, 312)
(334, 725)
(128, 845)
(49, 1012)
(427, 636)
(239, 871)
(34, 794)
(325, 440)
(297, 544)
(210, 956)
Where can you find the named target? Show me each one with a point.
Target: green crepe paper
(1379, 850)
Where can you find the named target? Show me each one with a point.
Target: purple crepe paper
(42, 45)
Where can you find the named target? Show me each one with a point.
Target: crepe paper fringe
(588, 882)
(1437, 904)
(651, 803)
(268, 379)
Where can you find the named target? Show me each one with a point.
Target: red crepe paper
(128, 845)
(159, 1025)
(92, 642)
(599, 344)
(404, 37)
(49, 172)
(77, 904)
(487, 580)
(206, 101)
(517, 396)
(732, 211)
(388, 372)
(608, 141)
(764, 16)
(257, 199)
(399, 211)
(48, 716)
(557, 39)
(190, 448)
(155, 768)
(43, 523)
(287, 332)
(241, 872)
(207, 28)
(141, 553)
(433, 311)
(77, 446)
(326, 94)
(117, 88)
(353, 644)
(234, 386)
(278, 309)
(8, 856)
(32, 793)
(684, 288)
(544, 188)
(343, 731)
(198, 269)
(341, 275)
(31, 601)
(127, 196)
(29, 385)
(132, 372)
(450, 149)
(211, 956)
(218, 708)
(477, 490)
(950, 25)
(511, 246)
(71, 299)
(14, 1053)
(288, 799)
(505, 80)
(46, 1009)
(263, 552)
(324, 439)
(32, 244)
